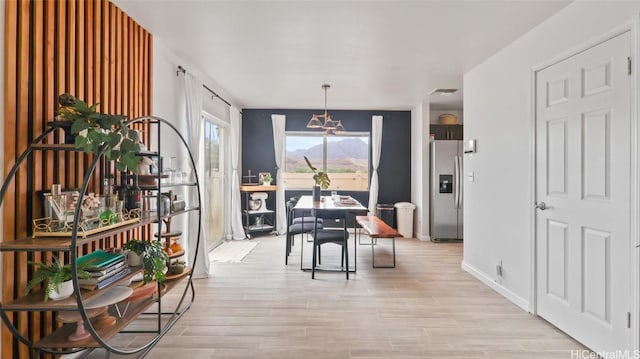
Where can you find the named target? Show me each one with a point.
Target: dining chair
(339, 236)
(302, 224)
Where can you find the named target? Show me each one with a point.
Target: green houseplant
(321, 178)
(93, 130)
(154, 258)
(58, 278)
(266, 180)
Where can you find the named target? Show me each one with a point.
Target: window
(345, 158)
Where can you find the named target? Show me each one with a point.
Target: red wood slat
(71, 85)
(59, 77)
(10, 73)
(49, 101)
(104, 99)
(126, 28)
(118, 60)
(22, 141)
(89, 51)
(92, 50)
(111, 108)
(39, 123)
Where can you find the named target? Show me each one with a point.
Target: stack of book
(104, 267)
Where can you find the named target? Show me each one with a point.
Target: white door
(583, 159)
(214, 175)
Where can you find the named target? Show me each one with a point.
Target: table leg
(373, 256)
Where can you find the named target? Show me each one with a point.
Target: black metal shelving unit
(167, 314)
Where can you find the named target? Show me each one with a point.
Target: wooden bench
(377, 228)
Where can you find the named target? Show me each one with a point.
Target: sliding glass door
(215, 143)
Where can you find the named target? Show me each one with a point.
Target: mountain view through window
(344, 158)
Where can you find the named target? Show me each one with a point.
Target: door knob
(541, 206)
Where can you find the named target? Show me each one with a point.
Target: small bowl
(254, 204)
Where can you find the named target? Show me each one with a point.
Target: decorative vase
(266, 183)
(64, 292)
(316, 193)
(133, 259)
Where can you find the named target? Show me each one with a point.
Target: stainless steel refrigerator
(446, 190)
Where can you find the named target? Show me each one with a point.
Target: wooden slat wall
(87, 48)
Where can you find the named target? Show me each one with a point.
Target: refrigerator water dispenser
(446, 184)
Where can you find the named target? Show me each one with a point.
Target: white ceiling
(375, 54)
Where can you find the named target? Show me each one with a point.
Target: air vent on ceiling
(443, 92)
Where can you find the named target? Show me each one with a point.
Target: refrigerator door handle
(460, 182)
(456, 182)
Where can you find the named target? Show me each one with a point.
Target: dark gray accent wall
(394, 172)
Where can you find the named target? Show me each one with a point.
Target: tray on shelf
(86, 233)
(264, 227)
(185, 272)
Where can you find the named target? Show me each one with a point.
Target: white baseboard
(516, 299)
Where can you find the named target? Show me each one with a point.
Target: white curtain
(193, 96)
(278, 122)
(237, 229)
(376, 145)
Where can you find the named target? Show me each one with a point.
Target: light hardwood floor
(426, 307)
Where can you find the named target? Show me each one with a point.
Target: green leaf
(309, 164)
(113, 139)
(79, 125)
(129, 146)
(95, 116)
(94, 136)
(81, 141)
(121, 166)
(81, 106)
(133, 135)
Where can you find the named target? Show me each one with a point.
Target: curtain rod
(181, 69)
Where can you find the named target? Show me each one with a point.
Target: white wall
(497, 109)
(169, 103)
(420, 169)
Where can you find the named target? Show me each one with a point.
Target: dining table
(306, 206)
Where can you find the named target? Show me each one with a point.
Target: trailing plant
(94, 130)
(55, 273)
(154, 258)
(321, 178)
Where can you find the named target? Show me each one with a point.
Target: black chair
(297, 225)
(339, 236)
(301, 217)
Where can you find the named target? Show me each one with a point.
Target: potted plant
(58, 276)
(94, 130)
(266, 180)
(321, 178)
(153, 258)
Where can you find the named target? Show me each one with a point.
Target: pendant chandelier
(330, 126)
